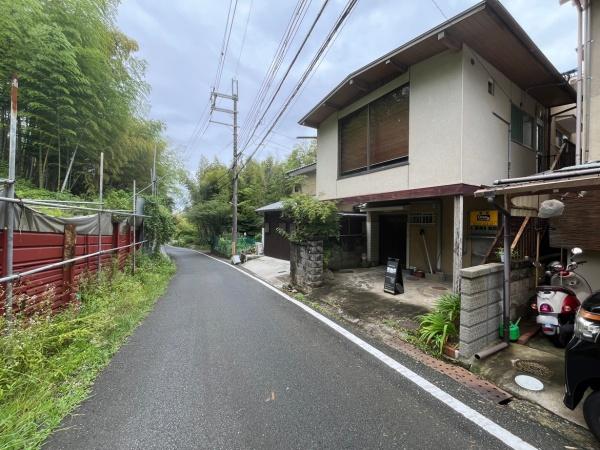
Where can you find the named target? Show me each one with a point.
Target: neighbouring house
(562, 176)
(347, 251)
(274, 244)
(307, 176)
(408, 138)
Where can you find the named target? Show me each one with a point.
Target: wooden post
(458, 242)
(69, 242)
(519, 234)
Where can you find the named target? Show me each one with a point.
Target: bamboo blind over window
(377, 134)
(389, 127)
(353, 136)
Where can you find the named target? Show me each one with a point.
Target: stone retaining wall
(306, 265)
(481, 303)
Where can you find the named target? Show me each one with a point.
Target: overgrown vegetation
(260, 183)
(159, 225)
(48, 363)
(440, 325)
(312, 219)
(82, 91)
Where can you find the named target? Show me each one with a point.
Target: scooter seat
(564, 289)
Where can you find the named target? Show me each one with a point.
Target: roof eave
(495, 8)
(472, 10)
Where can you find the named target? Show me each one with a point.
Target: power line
(237, 65)
(317, 59)
(204, 120)
(439, 9)
(339, 22)
(290, 31)
(287, 72)
(225, 43)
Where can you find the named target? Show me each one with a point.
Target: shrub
(312, 219)
(160, 225)
(441, 324)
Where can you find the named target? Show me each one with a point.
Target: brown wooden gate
(276, 245)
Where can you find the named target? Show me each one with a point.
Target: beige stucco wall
(434, 105)
(594, 136)
(484, 136)
(453, 136)
(309, 184)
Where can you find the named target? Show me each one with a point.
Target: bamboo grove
(81, 92)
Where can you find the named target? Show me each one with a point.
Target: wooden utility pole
(234, 112)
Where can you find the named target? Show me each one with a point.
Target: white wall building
(409, 137)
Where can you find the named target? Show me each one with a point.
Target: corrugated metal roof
(302, 169)
(487, 28)
(277, 206)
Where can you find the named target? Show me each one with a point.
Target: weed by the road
(48, 364)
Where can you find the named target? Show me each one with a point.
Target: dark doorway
(276, 245)
(392, 238)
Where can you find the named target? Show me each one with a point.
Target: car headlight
(586, 330)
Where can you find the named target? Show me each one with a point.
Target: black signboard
(393, 277)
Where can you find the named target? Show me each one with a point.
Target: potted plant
(514, 254)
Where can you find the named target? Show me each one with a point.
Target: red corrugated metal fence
(57, 286)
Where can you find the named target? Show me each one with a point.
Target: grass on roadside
(48, 364)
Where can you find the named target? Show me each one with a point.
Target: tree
(82, 92)
(302, 155)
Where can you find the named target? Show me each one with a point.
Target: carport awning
(585, 176)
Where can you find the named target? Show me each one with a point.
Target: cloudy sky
(181, 41)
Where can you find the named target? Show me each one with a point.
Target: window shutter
(389, 127)
(353, 141)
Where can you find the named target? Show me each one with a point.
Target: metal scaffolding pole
(101, 187)
(10, 193)
(64, 262)
(134, 211)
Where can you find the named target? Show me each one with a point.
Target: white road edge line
(477, 418)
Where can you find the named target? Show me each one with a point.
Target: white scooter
(558, 302)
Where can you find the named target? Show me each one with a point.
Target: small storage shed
(275, 245)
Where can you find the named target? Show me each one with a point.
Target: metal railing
(56, 265)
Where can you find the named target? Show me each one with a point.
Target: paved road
(224, 362)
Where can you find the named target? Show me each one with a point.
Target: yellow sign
(486, 218)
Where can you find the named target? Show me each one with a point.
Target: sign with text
(483, 221)
(393, 277)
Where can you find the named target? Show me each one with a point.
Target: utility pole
(234, 112)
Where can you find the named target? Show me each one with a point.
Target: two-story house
(409, 137)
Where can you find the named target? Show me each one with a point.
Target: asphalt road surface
(224, 362)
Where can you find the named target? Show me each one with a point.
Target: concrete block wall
(482, 303)
(306, 265)
(480, 307)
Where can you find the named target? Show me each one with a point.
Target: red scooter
(558, 302)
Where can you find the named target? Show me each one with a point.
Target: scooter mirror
(576, 251)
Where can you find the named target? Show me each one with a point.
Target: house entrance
(392, 238)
